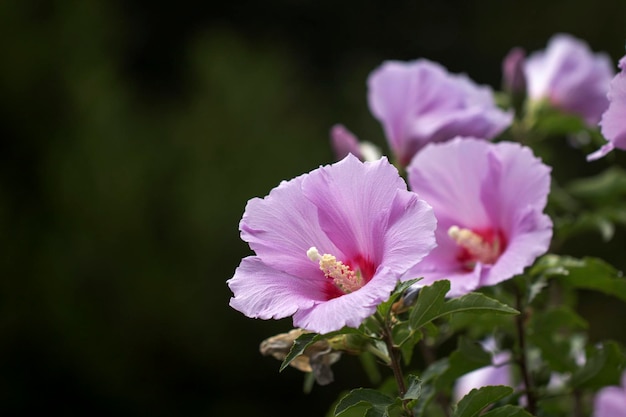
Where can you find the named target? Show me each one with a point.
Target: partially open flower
(513, 78)
(345, 142)
(613, 123)
(570, 77)
(489, 201)
(419, 102)
(331, 245)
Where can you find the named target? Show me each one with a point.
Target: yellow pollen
(479, 249)
(343, 277)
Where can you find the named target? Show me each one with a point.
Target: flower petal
(419, 102)
(570, 76)
(353, 200)
(349, 309)
(281, 227)
(261, 291)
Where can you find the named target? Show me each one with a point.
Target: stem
(578, 406)
(394, 363)
(521, 335)
(394, 360)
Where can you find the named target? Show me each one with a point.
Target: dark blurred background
(134, 132)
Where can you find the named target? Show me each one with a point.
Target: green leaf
(370, 397)
(307, 339)
(586, 273)
(476, 303)
(414, 389)
(507, 411)
(604, 366)
(427, 394)
(406, 339)
(551, 331)
(474, 402)
(429, 302)
(608, 185)
(299, 345)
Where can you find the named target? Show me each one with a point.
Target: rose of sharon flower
(330, 245)
(570, 77)
(419, 102)
(489, 201)
(613, 123)
(611, 401)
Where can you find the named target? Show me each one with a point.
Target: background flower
(489, 201)
(611, 401)
(344, 142)
(513, 78)
(570, 77)
(330, 245)
(613, 120)
(499, 373)
(419, 102)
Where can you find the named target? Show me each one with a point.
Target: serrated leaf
(414, 389)
(476, 303)
(477, 399)
(429, 302)
(604, 366)
(372, 398)
(507, 411)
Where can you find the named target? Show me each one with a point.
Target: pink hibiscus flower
(330, 245)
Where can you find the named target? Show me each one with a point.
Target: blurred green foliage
(133, 133)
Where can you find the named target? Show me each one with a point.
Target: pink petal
(263, 292)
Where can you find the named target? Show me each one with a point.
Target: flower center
(484, 247)
(345, 278)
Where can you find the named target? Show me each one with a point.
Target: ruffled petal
(419, 102)
(529, 238)
(516, 179)
(570, 76)
(349, 309)
(449, 176)
(281, 227)
(261, 291)
(409, 232)
(490, 188)
(353, 201)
